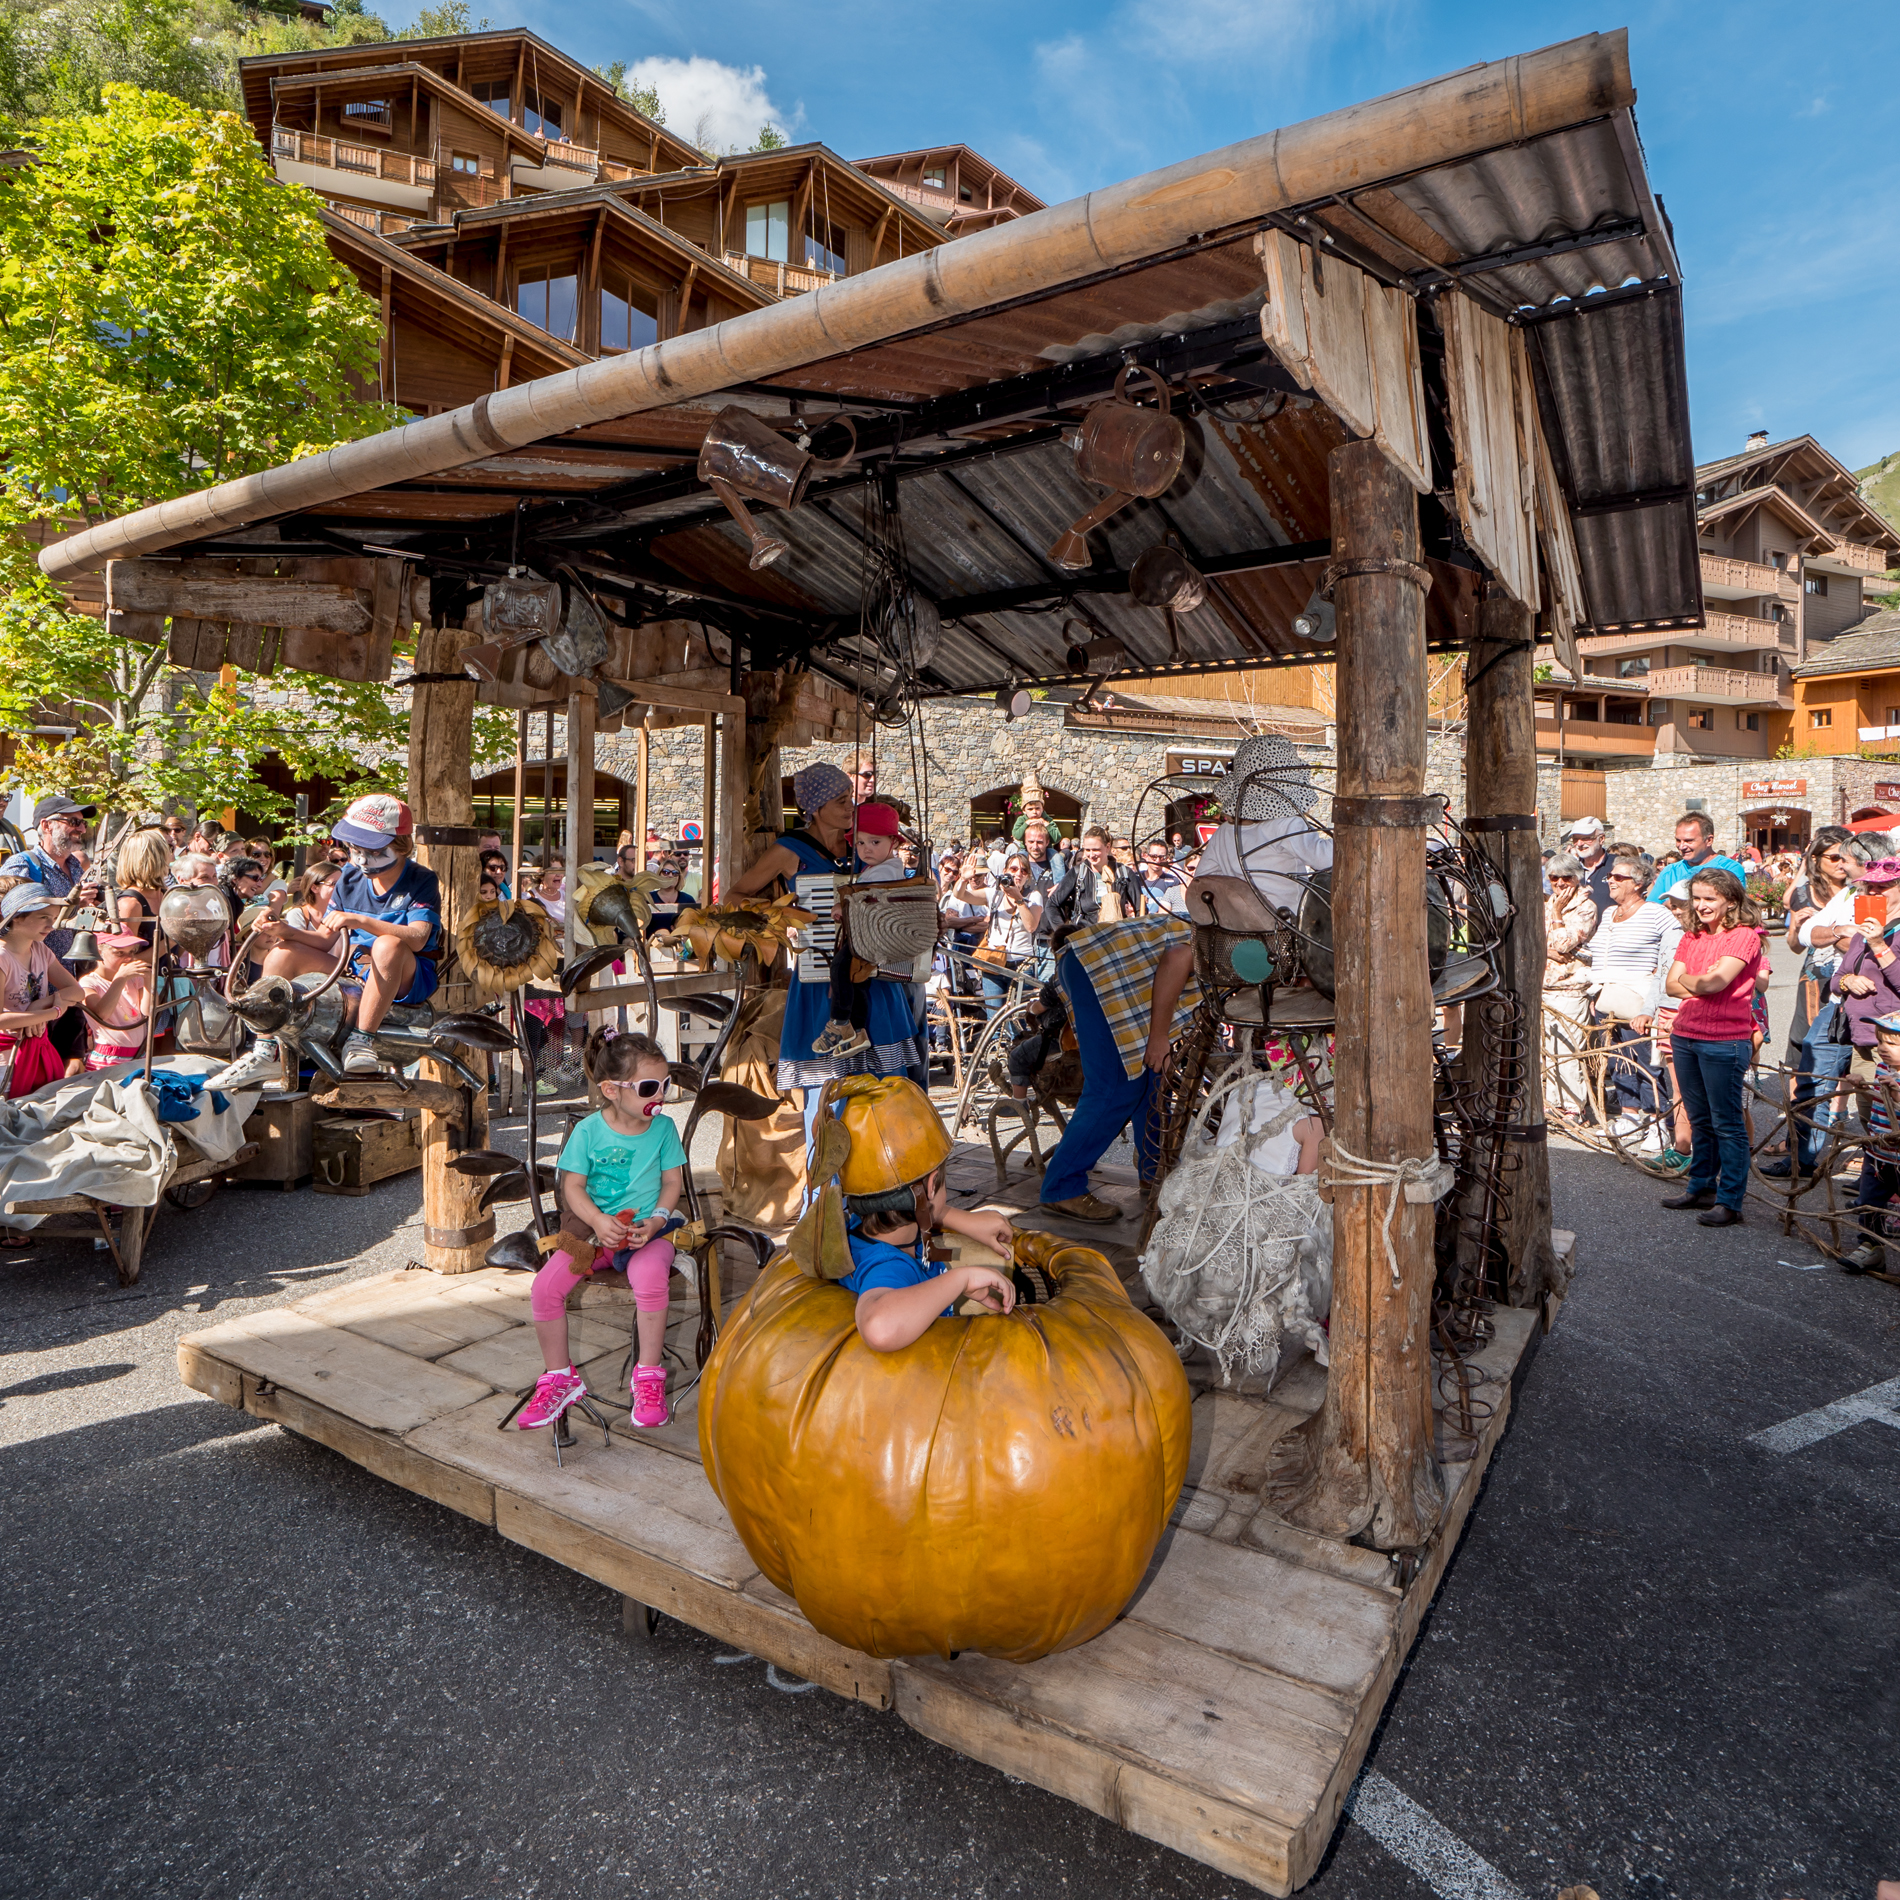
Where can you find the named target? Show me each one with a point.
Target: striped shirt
(1120, 960)
(1880, 1132)
(1633, 949)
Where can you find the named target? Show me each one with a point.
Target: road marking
(1436, 1855)
(1879, 1403)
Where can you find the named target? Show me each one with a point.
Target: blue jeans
(1817, 1071)
(1711, 1075)
(1110, 1096)
(1634, 1079)
(996, 981)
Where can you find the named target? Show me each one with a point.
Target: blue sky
(1773, 135)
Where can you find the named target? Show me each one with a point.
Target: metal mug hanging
(580, 643)
(1164, 577)
(1129, 450)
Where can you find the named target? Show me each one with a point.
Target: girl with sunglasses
(622, 1173)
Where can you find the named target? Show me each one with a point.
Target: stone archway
(998, 808)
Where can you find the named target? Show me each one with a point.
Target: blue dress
(892, 1026)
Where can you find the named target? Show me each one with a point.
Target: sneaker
(260, 1064)
(1865, 1258)
(649, 1397)
(839, 1039)
(554, 1392)
(1084, 1207)
(359, 1055)
(1675, 1160)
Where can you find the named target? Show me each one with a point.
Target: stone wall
(1643, 803)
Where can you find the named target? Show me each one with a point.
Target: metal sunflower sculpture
(505, 945)
(728, 931)
(614, 907)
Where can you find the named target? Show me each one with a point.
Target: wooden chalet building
(957, 187)
(1787, 547)
(514, 215)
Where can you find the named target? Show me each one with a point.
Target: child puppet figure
(876, 837)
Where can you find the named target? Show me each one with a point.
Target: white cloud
(717, 107)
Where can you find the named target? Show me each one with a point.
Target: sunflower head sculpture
(613, 906)
(729, 930)
(502, 946)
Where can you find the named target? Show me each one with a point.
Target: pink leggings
(647, 1273)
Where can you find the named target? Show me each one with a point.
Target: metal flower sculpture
(728, 931)
(505, 945)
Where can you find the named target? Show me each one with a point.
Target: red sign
(1887, 791)
(1776, 788)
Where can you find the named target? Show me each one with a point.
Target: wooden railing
(787, 280)
(1723, 570)
(314, 148)
(1749, 630)
(383, 223)
(932, 199)
(580, 158)
(1863, 560)
(1718, 683)
(375, 114)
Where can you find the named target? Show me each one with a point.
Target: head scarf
(816, 786)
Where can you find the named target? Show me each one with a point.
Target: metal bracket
(449, 834)
(459, 1236)
(1504, 821)
(1336, 571)
(1400, 810)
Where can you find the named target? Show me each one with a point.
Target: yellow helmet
(896, 1136)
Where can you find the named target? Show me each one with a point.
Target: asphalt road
(1665, 1662)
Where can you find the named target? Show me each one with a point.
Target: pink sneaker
(554, 1392)
(649, 1396)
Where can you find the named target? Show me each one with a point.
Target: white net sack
(1241, 1258)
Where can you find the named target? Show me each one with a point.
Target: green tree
(59, 59)
(770, 139)
(170, 317)
(644, 99)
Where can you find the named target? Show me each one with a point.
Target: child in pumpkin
(622, 1173)
(894, 1198)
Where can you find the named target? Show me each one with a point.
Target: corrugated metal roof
(1560, 230)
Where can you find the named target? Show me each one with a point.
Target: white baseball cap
(1584, 828)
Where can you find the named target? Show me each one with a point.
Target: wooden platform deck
(1225, 1715)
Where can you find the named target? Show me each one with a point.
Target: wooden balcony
(1851, 557)
(1725, 578)
(786, 280)
(328, 164)
(1595, 739)
(382, 223)
(577, 158)
(918, 195)
(1714, 686)
(369, 115)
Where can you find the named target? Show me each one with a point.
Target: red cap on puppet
(877, 821)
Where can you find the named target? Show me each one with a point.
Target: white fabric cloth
(1838, 912)
(1271, 855)
(99, 1134)
(1631, 949)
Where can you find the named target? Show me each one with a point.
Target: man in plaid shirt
(1131, 990)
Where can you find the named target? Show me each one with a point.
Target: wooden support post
(641, 768)
(729, 839)
(1501, 812)
(580, 803)
(386, 360)
(456, 1233)
(521, 794)
(708, 777)
(1363, 1465)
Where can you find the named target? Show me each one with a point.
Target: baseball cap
(1584, 828)
(25, 897)
(1891, 1024)
(121, 939)
(57, 807)
(372, 821)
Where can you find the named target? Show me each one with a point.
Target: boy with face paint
(392, 908)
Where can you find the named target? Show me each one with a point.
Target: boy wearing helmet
(895, 1198)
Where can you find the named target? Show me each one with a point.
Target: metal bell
(84, 948)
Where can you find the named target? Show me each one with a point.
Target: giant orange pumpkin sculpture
(999, 1485)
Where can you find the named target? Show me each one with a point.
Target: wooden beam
(1363, 1466)
(1501, 812)
(415, 95)
(438, 1097)
(685, 297)
(729, 836)
(580, 803)
(877, 235)
(507, 361)
(501, 268)
(386, 358)
(590, 293)
(456, 1233)
(516, 108)
(157, 587)
(641, 769)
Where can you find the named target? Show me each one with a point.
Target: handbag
(35, 1063)
(993, 953)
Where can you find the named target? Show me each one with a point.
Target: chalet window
(1817, 584)
(368, 115)
(1622, 712)
(495, 97)
(936, 177)
(627, 321)
(543, 114)
(1701, 718)
(550, 298)
(466, 163)
(1893, 715)
(1632, 669)
(1820, 717)
(1747, 722)
(768, 231)
(824, 245)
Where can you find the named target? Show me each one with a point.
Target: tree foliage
(643, 99)
(170, 317)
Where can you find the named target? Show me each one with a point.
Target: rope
(1412, 1178)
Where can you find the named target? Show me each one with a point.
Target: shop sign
(1199, 764)
(1887, 792)
(1774, 788)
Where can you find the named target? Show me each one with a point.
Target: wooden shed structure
(1431, 352)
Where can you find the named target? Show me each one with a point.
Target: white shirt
(1636, 951)
(1838, 912)
(1270, 855)
(1014, 931)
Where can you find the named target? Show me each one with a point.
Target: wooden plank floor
(1225, 1715)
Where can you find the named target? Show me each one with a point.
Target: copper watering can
(744, 458)
(1129, 450)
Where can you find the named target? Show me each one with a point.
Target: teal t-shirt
(623, 1172)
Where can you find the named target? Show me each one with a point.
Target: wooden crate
(284, 1129)
(353, 1152)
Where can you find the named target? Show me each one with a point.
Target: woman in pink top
(1714, 1037)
